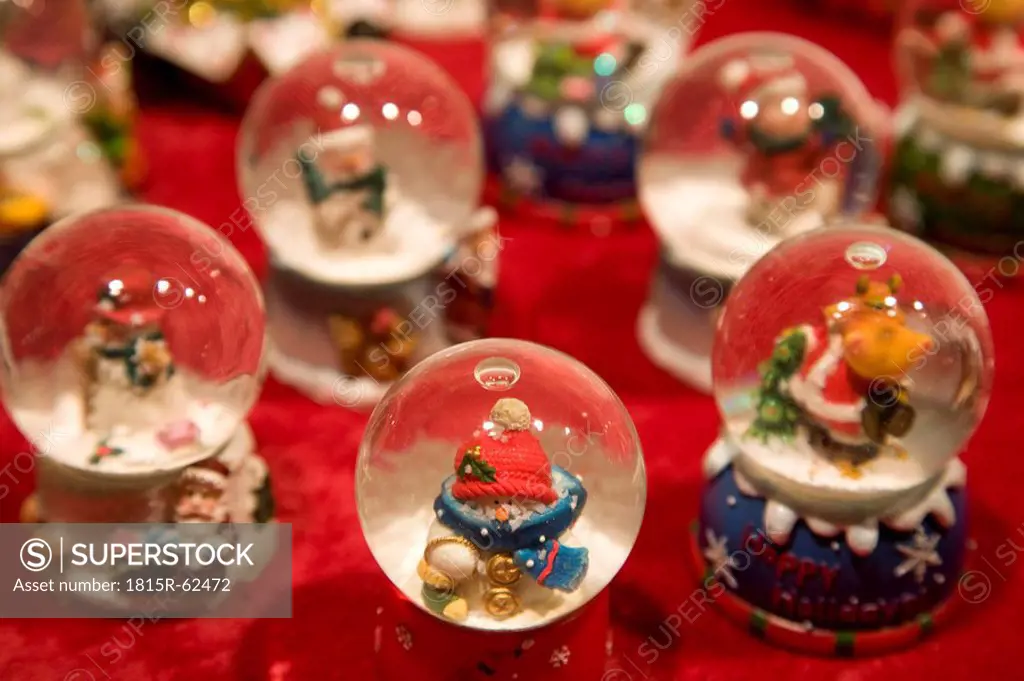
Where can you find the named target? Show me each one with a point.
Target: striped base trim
(825, 642)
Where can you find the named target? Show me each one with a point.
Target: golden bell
(502, 570)
(501, 602)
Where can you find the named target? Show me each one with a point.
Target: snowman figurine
(784, 134)
(346, 187)
(126, 359)
(499, 543)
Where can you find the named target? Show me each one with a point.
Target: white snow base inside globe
(700, 212)
(797, 461)
(540, 605)
(53, 410)
(803, 477)
(692, 368)
(411, 243)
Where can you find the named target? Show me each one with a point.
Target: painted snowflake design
(906, 208)
(523, 175)
(560, 657)
(717, 554)
(920, 554)
(404, 637)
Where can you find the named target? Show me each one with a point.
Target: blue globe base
(816, 594)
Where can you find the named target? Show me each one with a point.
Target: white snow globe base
(865, 585)
(65, 494)
(709, 244)
(305, 355)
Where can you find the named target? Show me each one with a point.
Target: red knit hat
(507, 461)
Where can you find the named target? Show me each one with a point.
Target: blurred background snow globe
(132, 342)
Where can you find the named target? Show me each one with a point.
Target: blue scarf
(533, 545)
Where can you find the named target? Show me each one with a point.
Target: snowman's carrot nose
(501, 514)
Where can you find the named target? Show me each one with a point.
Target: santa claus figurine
(844, 382)
(784, 133)
(346, 187)
(499, 544)
(201, 493)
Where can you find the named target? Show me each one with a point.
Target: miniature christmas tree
(777, 414)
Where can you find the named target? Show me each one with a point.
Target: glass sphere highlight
(361, 164)
(132, 341)
(759, 136)
(505, 454)
(851, 364)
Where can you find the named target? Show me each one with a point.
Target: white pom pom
(511, 414)
(455, 560)
(734, 73)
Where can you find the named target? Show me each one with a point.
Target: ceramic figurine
(132, 386)
(480, 482)
(571, 88)
(472, 272)
(833, 517)
(379, 255)
(234, 487)
(783, 138)
(954, 178)
(507, 509)
(346, 186)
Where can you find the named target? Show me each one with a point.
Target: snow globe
(132, 341)
(223, 48)
(759, 136)
(851, 364)
(362, 168)
(51, 162)
(955, 176)
(500, 487)
(571, 85)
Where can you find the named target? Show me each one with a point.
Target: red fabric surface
(579, 294)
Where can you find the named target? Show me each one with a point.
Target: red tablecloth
(580, 295)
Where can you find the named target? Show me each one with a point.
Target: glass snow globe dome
(759, 136)
(850, 365)
(132, 341)
(361, 164)
(500, 485)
